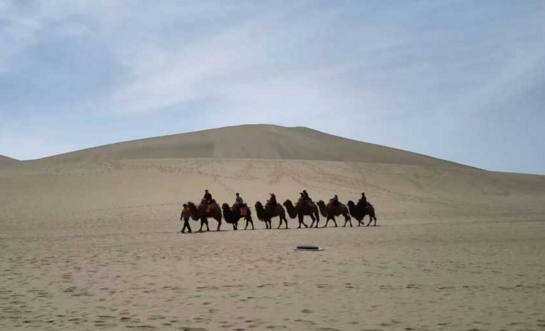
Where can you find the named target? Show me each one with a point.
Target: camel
(301, 209)
(232, 215)
(359, 213)
(266, 214)
(202, 213)
(331, 211)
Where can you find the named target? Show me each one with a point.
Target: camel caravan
(209, 208)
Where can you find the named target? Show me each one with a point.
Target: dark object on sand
(309, 248)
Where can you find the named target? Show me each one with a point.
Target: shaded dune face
(4, 160)
(251, 142)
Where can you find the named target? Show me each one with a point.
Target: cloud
(384, 73)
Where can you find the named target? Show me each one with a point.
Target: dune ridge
(250, 142)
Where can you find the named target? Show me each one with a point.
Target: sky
(458, 80)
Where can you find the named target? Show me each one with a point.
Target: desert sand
(90, 239)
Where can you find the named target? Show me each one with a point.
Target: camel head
(260, 210)
(350, 204)
(191, 206)
(322, 207)
(290, 208)
(225, 207)
(193, 210)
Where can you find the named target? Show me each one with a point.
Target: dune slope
(4, 160)
(251, 142)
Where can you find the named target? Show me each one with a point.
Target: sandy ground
(96, 246)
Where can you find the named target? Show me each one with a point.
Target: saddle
(365, 207)
(207, 206)
(269, 205)
(304, 203)
(242, 209)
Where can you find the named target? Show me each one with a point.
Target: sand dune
(4, 160)
(90, 240)
(251, 142)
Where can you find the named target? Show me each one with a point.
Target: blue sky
(459, 80)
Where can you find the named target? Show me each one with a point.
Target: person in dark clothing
(272, 201)
(363, 200)
(207, 197)
(240, 204)
(185, 217)
(239, 200)
(335, 200)
(305, 195)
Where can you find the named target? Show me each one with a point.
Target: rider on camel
(362, 202)
(207, 199)
(240, 204)
(272, 201)
(335, 200)
(239, 200)
(305, 196)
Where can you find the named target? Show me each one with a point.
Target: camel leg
(219, 225)
(205, 222)
(302, 221)
(348, 219)
(314, 220)
(331, 218)
(370, 219)
(286, 221)
(279, 224)
(202, 223)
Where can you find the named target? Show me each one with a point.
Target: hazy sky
(459, 80)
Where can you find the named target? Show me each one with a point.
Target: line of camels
(233, 214)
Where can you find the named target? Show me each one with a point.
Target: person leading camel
(186, 214)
